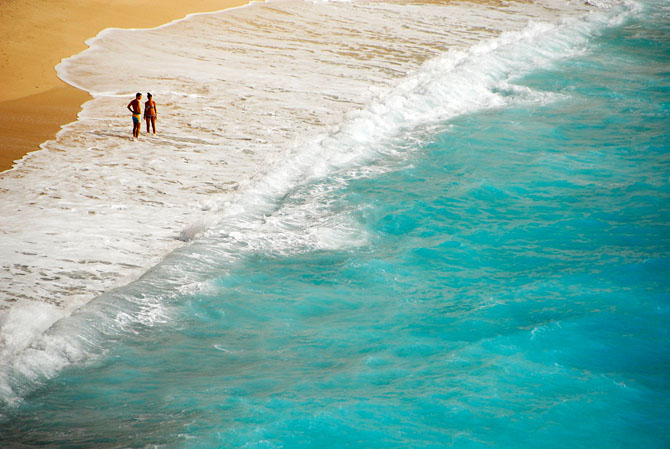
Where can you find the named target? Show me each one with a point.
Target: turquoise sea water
(496, 280)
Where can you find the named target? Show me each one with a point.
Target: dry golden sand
(37, 34)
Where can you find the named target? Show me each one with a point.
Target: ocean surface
(361, 224)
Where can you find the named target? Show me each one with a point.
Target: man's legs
(136, 125)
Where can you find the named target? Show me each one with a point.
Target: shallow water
(252, 101)
(493, 274)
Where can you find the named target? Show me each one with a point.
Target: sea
(367, 224)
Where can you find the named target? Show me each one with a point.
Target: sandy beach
(36, 35)
(390, 222)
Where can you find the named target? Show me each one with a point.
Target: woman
(150, 112)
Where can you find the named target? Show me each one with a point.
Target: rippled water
(474, 253)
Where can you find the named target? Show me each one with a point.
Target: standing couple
(150, 113)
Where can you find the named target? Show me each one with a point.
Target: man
(135, 108)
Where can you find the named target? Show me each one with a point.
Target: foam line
(248, 116)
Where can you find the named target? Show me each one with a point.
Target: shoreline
(260, 102)
(34, 103)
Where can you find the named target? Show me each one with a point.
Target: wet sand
(37, 34)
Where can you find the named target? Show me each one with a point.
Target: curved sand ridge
(36, 35)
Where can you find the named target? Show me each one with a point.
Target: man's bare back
(136, 109)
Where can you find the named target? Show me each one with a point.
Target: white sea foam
(252, 102)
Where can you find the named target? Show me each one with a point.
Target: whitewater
(361, 224)
(240, 93)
